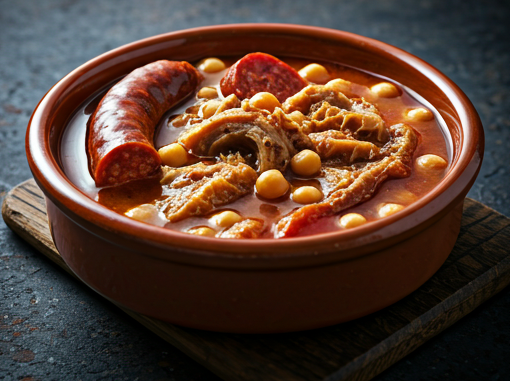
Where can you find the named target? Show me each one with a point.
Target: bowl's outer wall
(274, 286)
(258, 300)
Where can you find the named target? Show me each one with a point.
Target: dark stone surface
(52, 327)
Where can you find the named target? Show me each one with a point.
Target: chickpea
(306, 195)
(351, 220)
(266, 101)
(388, 209)
(431, 162)
(314, 73)
(225, 219)
(145, 213)
(173, 155)
(385, 90)
(209, 108)
(306, 163)
(203, 231)
(338, 85)
(405, 197)
(271, 184)
(207, 93)
(420, 114)
(211, 65)
(297, 116)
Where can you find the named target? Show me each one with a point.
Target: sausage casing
(121, 130)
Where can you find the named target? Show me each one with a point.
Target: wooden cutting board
(477, 269)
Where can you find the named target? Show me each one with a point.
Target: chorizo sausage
(121, 130)
(261, 72)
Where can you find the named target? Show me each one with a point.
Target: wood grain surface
(477, 269)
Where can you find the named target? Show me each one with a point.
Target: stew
(255, 148)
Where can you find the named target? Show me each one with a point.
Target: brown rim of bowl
(339, 245)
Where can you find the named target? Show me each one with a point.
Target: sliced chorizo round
(261, 72)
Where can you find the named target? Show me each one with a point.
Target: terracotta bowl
(255, 286)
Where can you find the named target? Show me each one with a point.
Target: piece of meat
(328, 109)
(356, 184)
(261, 72)
(333, 144)
(270, 146)
(367, 127)
(292, 132)
(309, 100)
(232, 158)
(249, 228)
(197, 189)
(228, 103)
(121, 130)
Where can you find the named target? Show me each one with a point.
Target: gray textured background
(52, 327)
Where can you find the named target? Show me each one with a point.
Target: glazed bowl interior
(464, 134)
